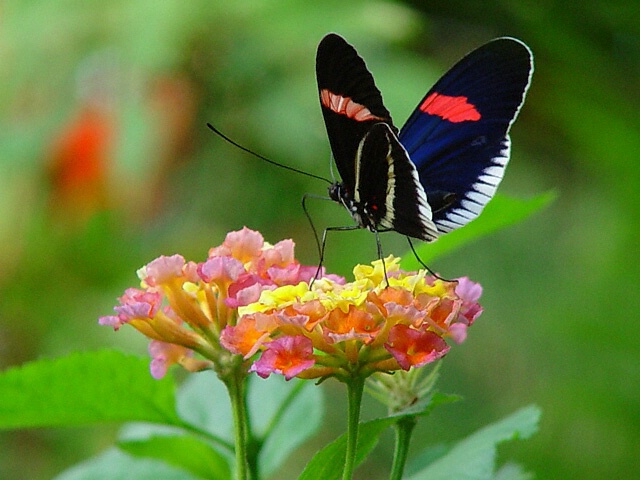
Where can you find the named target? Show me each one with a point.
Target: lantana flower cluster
(385, 320)
(183, 306)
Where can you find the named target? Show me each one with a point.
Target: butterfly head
(365, 214)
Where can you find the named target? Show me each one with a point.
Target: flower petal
(286, 356)
(469, 292)
(164, 355)
(415, 348)
(246, 337)
(163, 269)
(244, 245)
(246, 290)
(220, 270)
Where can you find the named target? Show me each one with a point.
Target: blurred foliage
(106, 162)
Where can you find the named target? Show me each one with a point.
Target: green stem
(355, 386)
(236, 388)
(404, 429)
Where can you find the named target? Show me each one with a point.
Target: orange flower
(354, 329)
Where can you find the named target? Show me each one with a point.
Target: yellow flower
(354, 329)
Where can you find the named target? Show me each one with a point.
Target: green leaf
(329, 462)
(473, 458)
(82, 389)
(298, 415)
(512, 471)
(501, 212)
(117, 465)
(283, 414)
(203, 402)
(186, 452)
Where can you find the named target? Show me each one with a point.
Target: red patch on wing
(453, 109)
(346, 106)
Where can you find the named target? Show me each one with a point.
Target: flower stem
(236, 388)
(404, 429)
(355, 387)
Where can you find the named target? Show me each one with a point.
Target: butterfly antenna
(261, 157)
(431, 272)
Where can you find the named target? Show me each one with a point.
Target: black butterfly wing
(351, 102)
(458, 135)
(376, 172)
(388, 188)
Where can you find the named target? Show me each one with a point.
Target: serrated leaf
(185, 452)
(117, 465)
(85, 388)
(300, 419)
(328, 463)
(501, 212)
(473, 458)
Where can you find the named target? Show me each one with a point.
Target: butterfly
(444, 165)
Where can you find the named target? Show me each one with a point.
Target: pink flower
(220, 269)
(246, 290)
(288, 356)
(164, 355)
(244, 245)
(469, 292)
(163, 269)
(280, 255)
(134, 304)
(414, 348)
(185, 306)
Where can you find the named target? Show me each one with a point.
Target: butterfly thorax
(361, 212)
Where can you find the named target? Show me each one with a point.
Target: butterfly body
(444, 165)
(374, 197)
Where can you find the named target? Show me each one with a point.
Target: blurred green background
(106, 163)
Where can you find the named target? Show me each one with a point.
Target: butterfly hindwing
(458, 134)
(387, 186)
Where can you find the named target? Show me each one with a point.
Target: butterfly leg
(324, 241)
(381, 257)
(434, 274)
(313, 227)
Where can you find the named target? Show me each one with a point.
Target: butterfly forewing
(380, 185)
(350, 102)
(458, 134)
